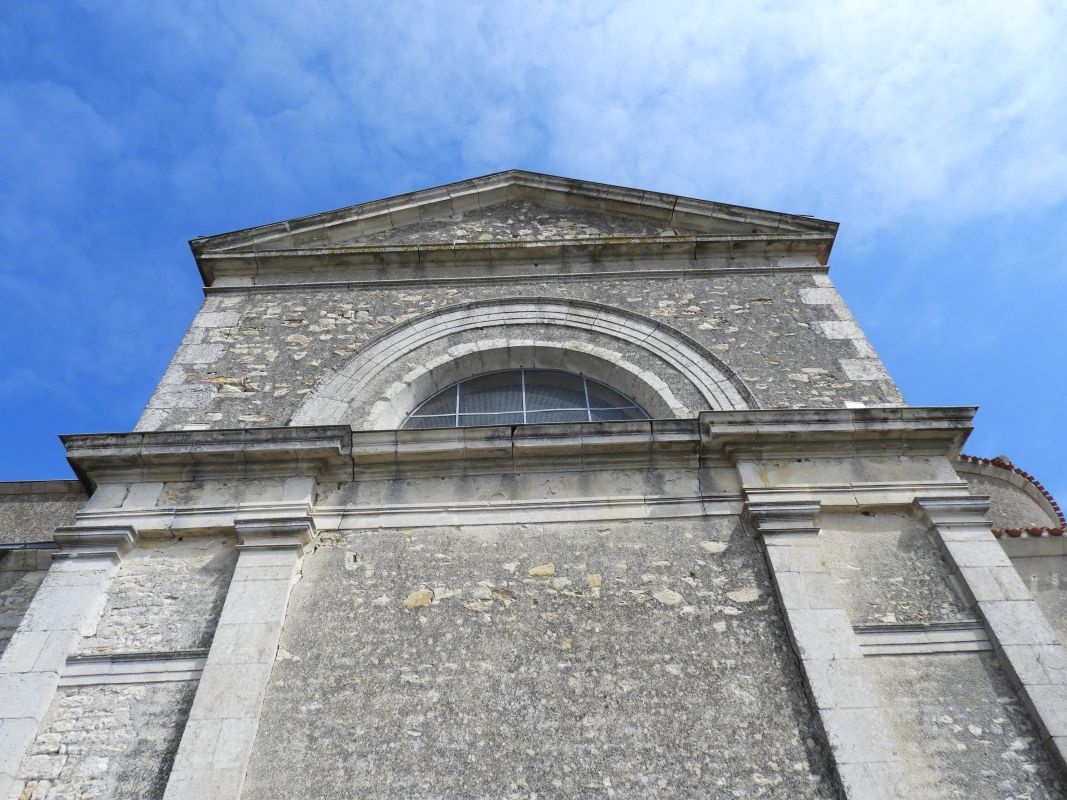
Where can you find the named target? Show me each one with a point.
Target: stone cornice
(331, 240)
(829, 433)
(440, 261)
(338, 452)
(588, 272)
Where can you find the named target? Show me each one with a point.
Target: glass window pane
(496, 398)
(448, 421)
(549, 388)
(444, 402)
(615, 414)
(497, 391)
(467, 420)
(577, 415)
(600, 396)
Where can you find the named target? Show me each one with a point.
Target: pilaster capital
(267, 532)
(112, 541)
(944, 512)
(792, 517)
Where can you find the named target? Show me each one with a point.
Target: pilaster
(861, 737)
(217, 742)
(67, 606)
(1025, 642)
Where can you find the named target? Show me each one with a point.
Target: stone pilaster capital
(259, 531)
(112, 541)
(952, 511)
(793, 517)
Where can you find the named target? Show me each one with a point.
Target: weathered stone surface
(963, 731)
(17, 588)
(1046, 579)
(166, 595)
(889, 570)
(28, 513)
(517, 219)
(1009, 505)
(113, 742)
(552, 688)
(760, 325)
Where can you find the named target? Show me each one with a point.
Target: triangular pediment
(513, 206)
(520, 219)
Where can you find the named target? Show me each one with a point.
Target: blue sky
(935, 133)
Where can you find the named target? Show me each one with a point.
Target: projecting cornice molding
(349, 241)
(823, 433)
(339, 452)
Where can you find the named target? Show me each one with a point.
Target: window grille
(521, 397)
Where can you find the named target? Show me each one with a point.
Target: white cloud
(886, 109)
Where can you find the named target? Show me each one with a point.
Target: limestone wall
(107, 742)
(112, 730)
(166, 596)
(30, 511)
(637, 659)
(21, 573)
(1045, 575)
(962, 729)
(889, 570)
(251, 358)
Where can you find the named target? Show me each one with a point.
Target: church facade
(529, 487)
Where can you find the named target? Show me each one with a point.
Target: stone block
(859, 735)
(1037, 664)
(255, 601)
(988, 584)
(1018, 622)
(822, 634)
(26, 695)
(874, 781)
(252, 643)
(198, 743)
(226, 692)
(977, 554)
(840, 683)
(15, 736)
(218, 784)
(1050, 703)
(800, 558)
(235, 743)
(253, 558)
(807, 590)
(23, 650)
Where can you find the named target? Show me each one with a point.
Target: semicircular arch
(497, 326)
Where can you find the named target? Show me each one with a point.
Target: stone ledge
(125, 668)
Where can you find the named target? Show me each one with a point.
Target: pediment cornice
(406, 230)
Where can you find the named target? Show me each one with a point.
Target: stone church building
(529, 487)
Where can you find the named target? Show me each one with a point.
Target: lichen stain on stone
(749, 594)
(418, 598)
(667, 597)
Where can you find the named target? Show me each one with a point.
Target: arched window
(523, 396)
